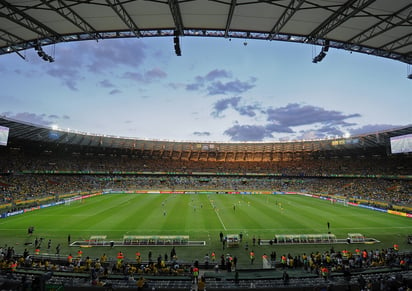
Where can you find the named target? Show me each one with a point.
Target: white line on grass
(217, 213)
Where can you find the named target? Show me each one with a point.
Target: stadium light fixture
(177, 43)
(322, 53)
(42, 54)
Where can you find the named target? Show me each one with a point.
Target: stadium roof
(49, 138)
(377, 27)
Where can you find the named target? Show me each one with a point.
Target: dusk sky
(218, 90)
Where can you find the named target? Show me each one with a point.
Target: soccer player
(252, 257)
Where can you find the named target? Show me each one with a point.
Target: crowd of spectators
(24, 178)
(16, 189)
(32, 177)
(98, 271)
(109, 163)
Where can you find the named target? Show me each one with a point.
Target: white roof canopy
(377, 27)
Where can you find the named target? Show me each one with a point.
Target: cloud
(309, 135)
(273, 127)
(68, 65)
(197, 84)
(323, 132)
(213, 84)
(146, 77)
(334, 130)
(209, 77)
(329, 130)
(331, 122)
(176, 86)
(194, 86)
(201, 133)
(115, 91)
(109, 54)
(106, 84)
(38, 119)
(217, 74)
(67, 75)
(235, 103)
(155, 74)
(223, 104)
(137, 77)
(98, 58)
(247, 132)
(248, 110)
(27, 74)
(285, 120)
(371, 128)
(233, 87)
(295, 114)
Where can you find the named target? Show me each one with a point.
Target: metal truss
(229, 17)
(177, 15)
(117, 6)
(13, 14)
(385, 24)
(65, 11)
(339, 14)
(293, 6)
(349, 9)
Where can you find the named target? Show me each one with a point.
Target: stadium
(83, 211)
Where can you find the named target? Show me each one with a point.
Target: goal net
(69, 201)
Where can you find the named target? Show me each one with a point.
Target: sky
(217, 90)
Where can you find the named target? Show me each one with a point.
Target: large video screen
(4, 135)
(401, 144)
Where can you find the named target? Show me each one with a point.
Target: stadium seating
(29, 179)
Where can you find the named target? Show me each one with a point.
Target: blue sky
(218, 90)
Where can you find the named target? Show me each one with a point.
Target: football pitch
(202, 217)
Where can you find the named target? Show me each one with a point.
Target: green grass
(194, 215)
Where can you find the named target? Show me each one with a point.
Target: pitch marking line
(218, 216)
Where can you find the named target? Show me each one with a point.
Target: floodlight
(326, 46)
(42, 54)
(319, 57)
(177, 46)
(322, 53)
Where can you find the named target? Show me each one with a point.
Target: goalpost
(345, 202)
(69, 201)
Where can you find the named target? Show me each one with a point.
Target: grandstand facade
(43, 139)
